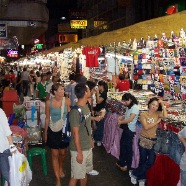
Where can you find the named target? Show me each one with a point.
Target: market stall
(157, 66)
(168, 148)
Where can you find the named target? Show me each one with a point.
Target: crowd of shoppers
(90, 96)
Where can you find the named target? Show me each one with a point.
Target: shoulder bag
(58, 125)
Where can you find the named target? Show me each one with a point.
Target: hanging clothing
(91, 54)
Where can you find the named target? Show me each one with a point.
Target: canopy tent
(157, 26)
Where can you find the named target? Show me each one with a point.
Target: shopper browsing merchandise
(81, 141)
(123, 84)
(56, 110)
(101, 97)
(128, 124)
(149, 120)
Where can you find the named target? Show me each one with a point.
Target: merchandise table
(166, 169)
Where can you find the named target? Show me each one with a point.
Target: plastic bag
(19, 110)
(20, 172)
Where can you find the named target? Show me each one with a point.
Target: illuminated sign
(100, 24)
(67, 38)
(12, 53)
(78, 24)
(36, 41)
(39, 46)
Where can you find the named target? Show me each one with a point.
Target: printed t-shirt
(91, 54)
(123, 85)
(85, 139)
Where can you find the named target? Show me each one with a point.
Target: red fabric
(91, 56)
(164, 172)
(123, 85)
(11, 77)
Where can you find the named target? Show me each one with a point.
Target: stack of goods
(160, 65)
(115, 106)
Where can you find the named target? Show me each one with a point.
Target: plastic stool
(35, 152)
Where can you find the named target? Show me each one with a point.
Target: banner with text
(78, 24)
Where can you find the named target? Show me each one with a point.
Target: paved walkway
(103, 162)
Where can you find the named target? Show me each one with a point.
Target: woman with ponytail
(128, 124)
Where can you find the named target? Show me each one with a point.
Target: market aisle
(103, 162)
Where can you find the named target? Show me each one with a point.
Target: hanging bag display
(58, 125)
(20, 172)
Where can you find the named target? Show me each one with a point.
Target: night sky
(59, 8)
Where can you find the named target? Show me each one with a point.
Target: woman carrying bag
(149, 120)
(56, 111)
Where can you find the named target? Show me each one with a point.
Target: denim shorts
(4, 164)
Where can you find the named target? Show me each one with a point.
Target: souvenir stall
(157, 68)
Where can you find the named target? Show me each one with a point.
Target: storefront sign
(3, 30)
(39, 46)
(12, 53)
(100, 24)
(67, 38)
(78, 24)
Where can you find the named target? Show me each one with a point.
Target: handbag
(147, 143)
(58, 125)
(20, 172)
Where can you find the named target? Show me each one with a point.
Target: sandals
(121, 168)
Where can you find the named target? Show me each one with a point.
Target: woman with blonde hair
(56, 109)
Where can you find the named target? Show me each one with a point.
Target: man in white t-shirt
(182, 137)
(6, 145)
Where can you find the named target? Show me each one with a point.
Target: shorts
(54, 140)
(4, 164)
(79, 171)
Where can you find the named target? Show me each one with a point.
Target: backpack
(66, 131)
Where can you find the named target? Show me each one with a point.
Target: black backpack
(66, 131)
